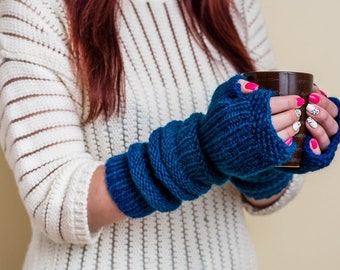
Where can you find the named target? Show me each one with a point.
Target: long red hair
(98, 56)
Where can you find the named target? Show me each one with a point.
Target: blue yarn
(123, 190)
(234, 140)
(161, 174)
(264, 184)
(249, 143)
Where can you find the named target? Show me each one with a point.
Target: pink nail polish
(323, 93)
(251, 86)
(314, 98)
(300, 101)
(314, 143)
(289, 141)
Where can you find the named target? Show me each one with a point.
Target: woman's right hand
(248, 127)
(285, 112)
(286, 116)
(322, 124)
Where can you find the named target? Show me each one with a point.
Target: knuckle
(333, 129)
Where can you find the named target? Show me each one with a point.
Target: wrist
(263, 186)
(263, 203)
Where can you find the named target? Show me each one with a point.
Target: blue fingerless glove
(249, 143)
(184, 159)
(264, 184)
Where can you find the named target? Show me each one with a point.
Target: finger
(248, 87)
(324, 102)
(314, 146)
(316, 89)
(323, 118)
(285, 119)
(318, 132)
(289, 132)
(284, 103)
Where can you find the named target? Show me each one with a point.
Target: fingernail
(314, 98)
(314, 143)
(251, 86)
(312, 122)
(300, 101)
(313, 109)
(323, 93)
(296, 126)
(298, 113)
(289, 141)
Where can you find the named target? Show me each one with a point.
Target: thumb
(248, 87)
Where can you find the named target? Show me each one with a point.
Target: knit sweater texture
(53, 157)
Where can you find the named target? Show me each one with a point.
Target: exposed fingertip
(290, 141)
(251, 86)
(314, 98)
(296, 126)
(311, 122)
(314, 143)
(300, 101)
(323, 93)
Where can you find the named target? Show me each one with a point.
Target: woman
(125, 155)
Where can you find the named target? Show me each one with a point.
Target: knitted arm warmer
(264, 184)
(184, 159)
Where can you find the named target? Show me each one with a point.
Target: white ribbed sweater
(53, 157)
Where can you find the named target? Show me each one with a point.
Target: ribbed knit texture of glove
(160, 174)
(184, 159)
(249, 143)
(264, 184)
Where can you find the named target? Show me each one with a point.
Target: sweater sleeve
(40, 132)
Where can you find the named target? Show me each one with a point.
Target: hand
(285, 112)
(321, 113)
(320, 146)
(321, 122)
(241, 119)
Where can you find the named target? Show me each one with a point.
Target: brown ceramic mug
(287, 83)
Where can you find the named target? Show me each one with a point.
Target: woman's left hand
(320, 123)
